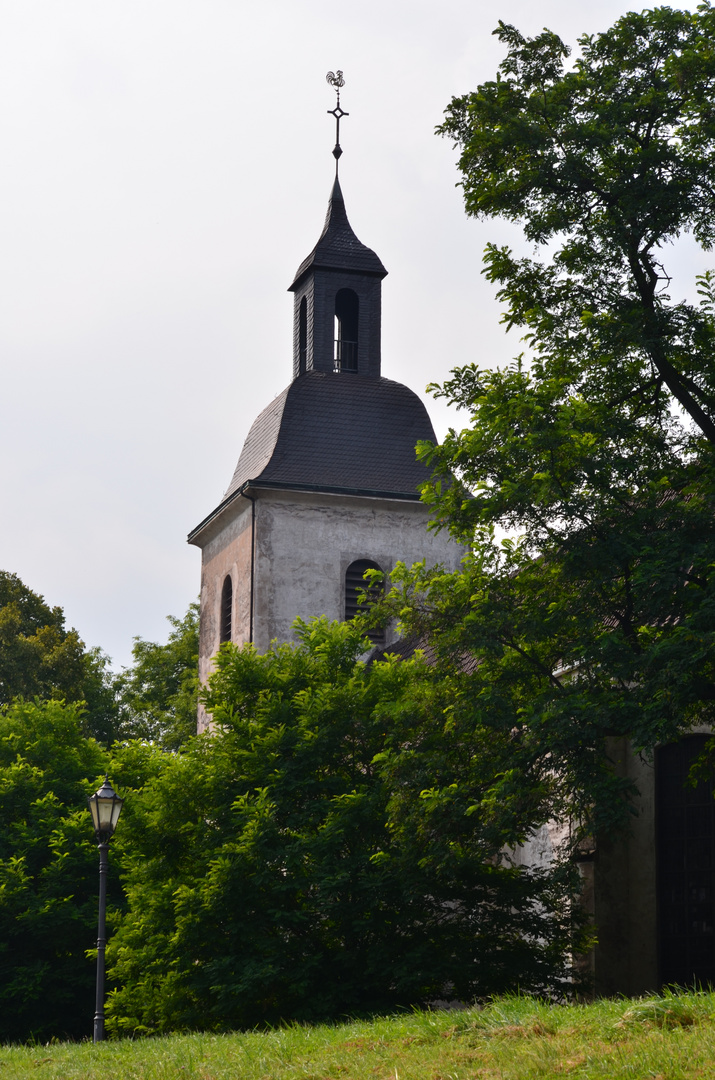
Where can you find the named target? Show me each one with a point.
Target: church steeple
(337, 311)
(327, 482)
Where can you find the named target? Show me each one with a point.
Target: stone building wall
(300, 544)
(226, 550)
(305, 543)
(619, 885)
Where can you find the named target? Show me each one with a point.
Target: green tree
(607, 162)
(288, 866)
(159, 694)
(48, 871)
(592, 453)
(40, 658)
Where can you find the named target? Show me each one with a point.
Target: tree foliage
(48, 871)
(290, 865)
(158, 694)
(55, 698)
(584, 482)
(608, 162)
(40, 658)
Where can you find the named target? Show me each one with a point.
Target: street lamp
(105, 807)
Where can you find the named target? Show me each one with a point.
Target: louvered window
(226, 609)
(354, 583)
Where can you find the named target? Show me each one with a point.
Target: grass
(660, 1038)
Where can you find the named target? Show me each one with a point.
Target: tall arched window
(354, 583)
(347, 309)
(226, 609)
(685, 850)
(302, 336)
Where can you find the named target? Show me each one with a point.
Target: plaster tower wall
(287, 553)
(307, 544)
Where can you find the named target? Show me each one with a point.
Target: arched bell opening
(347, 311)
(303, 336)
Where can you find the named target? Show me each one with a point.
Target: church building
(326, 485)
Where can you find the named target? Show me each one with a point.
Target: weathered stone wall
(619, 890)
(227, 550)
(305, 543)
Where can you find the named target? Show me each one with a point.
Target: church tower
(326, 485)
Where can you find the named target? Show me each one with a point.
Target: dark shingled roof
(339, 247)
(406, 647)
(338, 431)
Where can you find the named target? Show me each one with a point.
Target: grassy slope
(665, 1038)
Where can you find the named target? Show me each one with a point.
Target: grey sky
(165, 167)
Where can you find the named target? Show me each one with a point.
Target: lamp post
(105, 807)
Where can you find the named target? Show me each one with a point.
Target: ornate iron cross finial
(335, 79)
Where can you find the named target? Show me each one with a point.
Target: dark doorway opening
(685, 837)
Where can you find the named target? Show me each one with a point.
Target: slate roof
(406, 647)
(338, 247)
(338, 432)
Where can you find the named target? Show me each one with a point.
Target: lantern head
(105, 807)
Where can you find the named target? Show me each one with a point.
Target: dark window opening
(226, 609)
(347, 308)
(685, 832)
(354, 583)
(302, 336)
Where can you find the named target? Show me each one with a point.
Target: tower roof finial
(335, 79)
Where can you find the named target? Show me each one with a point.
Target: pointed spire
(338, 247)
(336, 216)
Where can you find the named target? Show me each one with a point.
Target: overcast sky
(165, 166)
